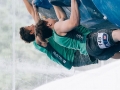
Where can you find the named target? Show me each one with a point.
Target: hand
(33, 2)
(34, 6)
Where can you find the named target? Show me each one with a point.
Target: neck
(53, 26)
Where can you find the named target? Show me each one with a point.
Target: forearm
(75, 16)
(36, 14)
(28, 6)
(60, 13)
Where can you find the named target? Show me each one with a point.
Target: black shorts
(100, 43)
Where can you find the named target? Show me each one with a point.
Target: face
(50, 22)
(31, 28)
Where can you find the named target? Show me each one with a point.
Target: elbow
(75, 24)
(64, 17)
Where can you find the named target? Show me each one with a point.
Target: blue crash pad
(110, 9)
(42, 3)
(90, 15)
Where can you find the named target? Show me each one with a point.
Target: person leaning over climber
(61, 55)
(69, 33)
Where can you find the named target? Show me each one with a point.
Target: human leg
(116, 35)
(116, 55)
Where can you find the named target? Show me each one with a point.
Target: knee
(116, 35)
(116, 55)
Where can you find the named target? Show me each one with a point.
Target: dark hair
(42, 30)
(26, 36)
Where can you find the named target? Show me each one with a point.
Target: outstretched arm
(72, 22)
(32, 10)
(60, 13)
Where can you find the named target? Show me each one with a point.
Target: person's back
(75, 39)
(90, 43)
(53, 55)
(65, 52)
(74, 56)
(66, 57)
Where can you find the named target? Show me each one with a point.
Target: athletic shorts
(101, 42)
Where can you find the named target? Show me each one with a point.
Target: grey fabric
(82, 60)
(102, 54)
(92, 45)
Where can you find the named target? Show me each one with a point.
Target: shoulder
(58, 27)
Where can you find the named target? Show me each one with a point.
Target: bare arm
(32, 10)
(36, 14)
(63, 27)
(116, 55)
(61, 15)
